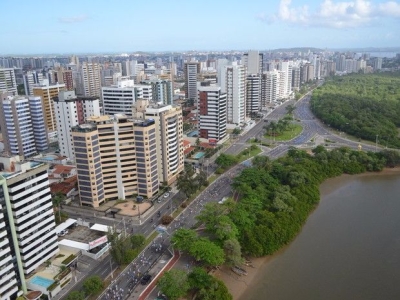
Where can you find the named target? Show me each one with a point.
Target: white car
(166, 195)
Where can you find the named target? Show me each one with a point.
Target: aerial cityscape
(199, 150)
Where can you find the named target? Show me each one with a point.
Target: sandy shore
(237, 285)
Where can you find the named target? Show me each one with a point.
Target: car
(145, 279)
(222, 200)
(63, 232)
(159, 200)
(166, 195)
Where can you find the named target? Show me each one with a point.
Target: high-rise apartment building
(31, 78)
(296, 78)
(7, 81)
(72, 111)
(253, 94)
(232, 81)
(191, 71)
(306, 73)
(286, 72)
(91, 79)
(169, 137)
(22, 123)
(119, 99)
(47, 92)
(377, 63)
(162, 91)
(211, 106)
(64, 76)
(253, 60)
(27, 211)
(144, 91)
(116, 158)
(269, 85)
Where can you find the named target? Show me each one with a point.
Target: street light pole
(376, 143)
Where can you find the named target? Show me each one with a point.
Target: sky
(119, 26)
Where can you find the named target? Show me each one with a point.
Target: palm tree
(58, 198)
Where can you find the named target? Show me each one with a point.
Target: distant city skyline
(126, 26)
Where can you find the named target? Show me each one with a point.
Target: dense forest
(364, 105)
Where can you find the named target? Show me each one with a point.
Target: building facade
(119, 99)
(169, 137)
(28, 212)
(253, 94)
(211, 105)
(22, 123)
(8, 83)
(91, 79)
(72, 111)
(47, 92)
(116, 158)
(191, 71)
(233, 82)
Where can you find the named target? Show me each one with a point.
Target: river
(348, 249)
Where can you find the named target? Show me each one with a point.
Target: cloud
(74, 19)
(336, 14)
(390, 8)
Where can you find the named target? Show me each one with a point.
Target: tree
(226, 160)
(183, 239)
(58, 199)
(76, 295)
(216, 290)
(120, 246)
(233, 251)
(290, 109)
(185, 182)
(93, 285)
(174, 284)
(137, 241)
(199, 279)
(197, 143)
(206, 251)
(166, 219)
(236, 131)
(201, 179)
(210, 215)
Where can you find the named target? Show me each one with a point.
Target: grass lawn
(288, 134)
(244, 156)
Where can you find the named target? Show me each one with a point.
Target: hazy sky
(71, 26)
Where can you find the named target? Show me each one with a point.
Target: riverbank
(238, 285)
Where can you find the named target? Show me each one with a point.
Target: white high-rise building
(22, 123)
(144, 91)
(72, 111)
(91, 79)
(7, 81)
(119, 98)
(233, 82)
(211, 107)
(8, 275)
(269, 86)
(31, 79)
(253, 94)
(28, 210)
(286, 68)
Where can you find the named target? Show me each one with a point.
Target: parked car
(145, 279)
(166, 195)
(63, 232)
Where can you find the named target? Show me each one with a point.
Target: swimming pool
(39, 280)
(193, 133)
(198, 155)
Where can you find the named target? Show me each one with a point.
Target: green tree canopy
(174, 284)
(206, 251)
(93, 285)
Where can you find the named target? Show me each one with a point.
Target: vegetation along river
(348, 249)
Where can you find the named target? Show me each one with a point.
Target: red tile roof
(186, 143)
(61, 169)
(188, 150)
